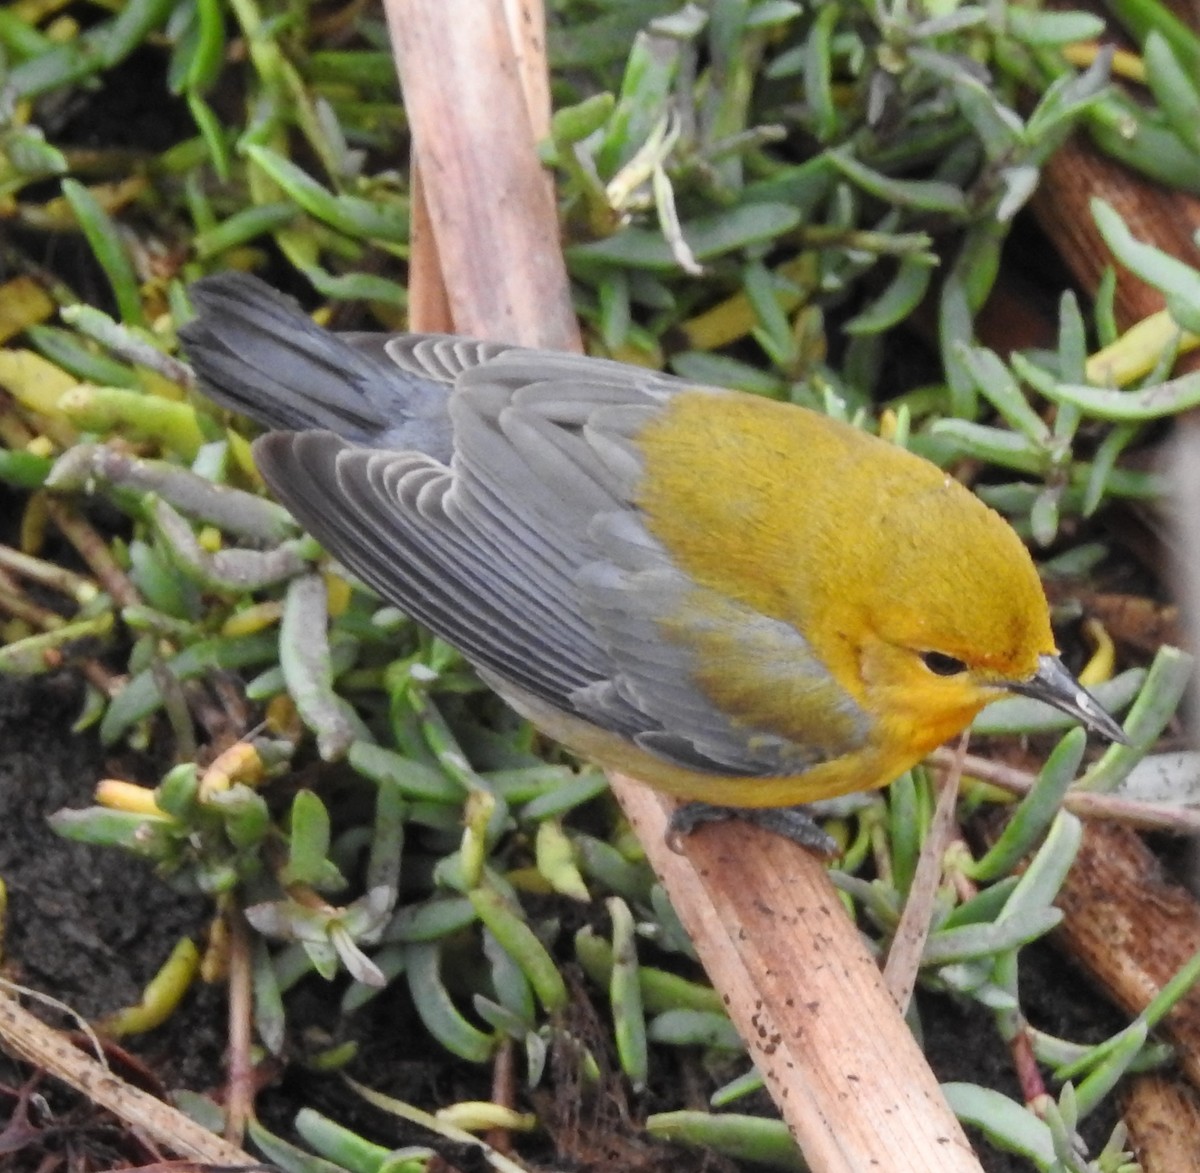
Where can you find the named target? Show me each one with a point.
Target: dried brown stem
(240, 1082)
(28, 1038)
(908, 943)
(504, 1092)
(491, 212)
(14, 602)
(805, 994)
(1178, 820)
(1025, 1064)
(428, 307)
(1162, 1114)
(93, 549)
(1071, 178)
(1132, 930)
(49, 574)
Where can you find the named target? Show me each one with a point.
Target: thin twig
(908, 943)
(504, 1092)
(49, 574)
(28, 1038)
(14, 602)
(239, 1082)
(93, 549)
(1178, 820)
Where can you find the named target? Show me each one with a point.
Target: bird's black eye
(942, 665)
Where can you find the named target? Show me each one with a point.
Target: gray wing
(527, 553)
(254, 351)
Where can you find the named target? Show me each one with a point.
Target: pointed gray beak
(1056, 686)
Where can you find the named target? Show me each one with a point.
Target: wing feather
(528, 553)
(350, 500)
(440, 357)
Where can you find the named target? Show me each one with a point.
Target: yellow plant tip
(62, 29)
(808, 328)
(625, 840)
(529, 880)
(652, 360)
(39, 386)
(135, 415)
(977, 789)
(847, 903)
(1125, 64)
(281, 717)
(839, 831)
(333, 1058)
(725, 323)
(155, 384)
(390, 317)
(888, 423)
(477, 813)
(1103, 660)
(113, 198)
(252, 619)
(298, 246)
(239, 446)
(956, 858)
(337, 593)
(1137, 351)
(214, 964)
(556, 861)
(238, 763)
(23, 303)
(210, 539)
(162, 995)
(41, 446)
(15, 433)
(34, 521)
(735, 318)
(129, 797)
(482, 1115)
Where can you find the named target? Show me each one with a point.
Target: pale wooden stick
(800, 986)
(428, 308)
(839, 1060)
(526, 21)
(493, 218)
(30, 1039)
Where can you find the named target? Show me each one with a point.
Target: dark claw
(792, 822)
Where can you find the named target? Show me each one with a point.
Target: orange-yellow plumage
(874, 554)
(733, 599)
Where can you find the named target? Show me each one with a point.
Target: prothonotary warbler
(734, 600)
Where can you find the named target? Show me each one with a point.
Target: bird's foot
(792, 822)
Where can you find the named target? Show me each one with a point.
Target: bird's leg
(792, 822)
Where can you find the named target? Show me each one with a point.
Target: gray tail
(257, 353)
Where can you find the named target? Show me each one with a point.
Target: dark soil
(91, 927)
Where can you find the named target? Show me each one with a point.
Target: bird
(737, 601)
